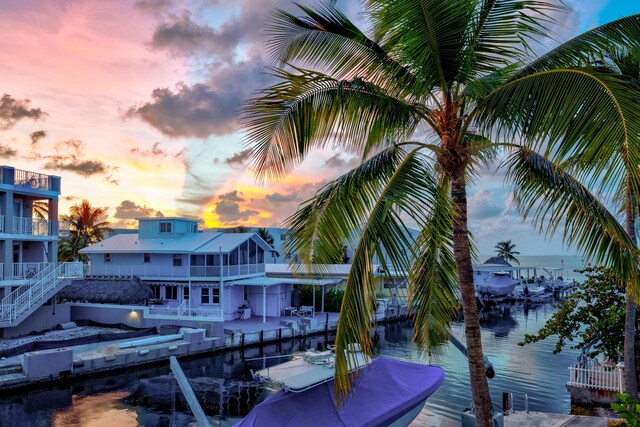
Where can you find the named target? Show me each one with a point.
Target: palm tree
(452, 67)
(268, 238)
(505, 250)
(87, 225)
(40, 209)
(537, 177)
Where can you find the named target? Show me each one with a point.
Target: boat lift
(488, 366)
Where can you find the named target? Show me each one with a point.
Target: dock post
(505, 403)
(242, 340)
(280, 335)
(183, 382)
(261, 337)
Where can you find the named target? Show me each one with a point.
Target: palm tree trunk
(630, 378)
(462, 253)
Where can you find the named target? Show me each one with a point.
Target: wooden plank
(183, 382)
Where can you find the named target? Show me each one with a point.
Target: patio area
(256, 324)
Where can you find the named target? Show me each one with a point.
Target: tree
(87, 225)
(505, 250)
(453, 67)
(268, 238)
(592, 316)
(40, 209)
(615, 176)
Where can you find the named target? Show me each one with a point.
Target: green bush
(332, 298)
(628, 409)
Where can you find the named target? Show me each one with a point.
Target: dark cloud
(282, 198)
(70, 157)
(7, 152)
(13, 110)
(155, 7)
(154, 151)
(228, 209)
(37, 136)
(196, 111)
(195, 198)
(336, 161)
(239, 159)
(128, 209)
(82, 167)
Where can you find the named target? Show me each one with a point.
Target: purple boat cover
(386, 390)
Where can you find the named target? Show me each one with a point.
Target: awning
(270, 281)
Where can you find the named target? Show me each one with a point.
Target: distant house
(194, 275)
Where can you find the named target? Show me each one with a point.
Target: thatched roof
(109, 290)
(497, 260)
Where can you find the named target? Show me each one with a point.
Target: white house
(195, 275)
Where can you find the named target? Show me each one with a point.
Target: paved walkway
(522, 419)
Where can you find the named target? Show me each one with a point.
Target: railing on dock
(597, 377)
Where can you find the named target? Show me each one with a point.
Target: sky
(134, 104)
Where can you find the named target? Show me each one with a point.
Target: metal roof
(226, 242)
(341, 270)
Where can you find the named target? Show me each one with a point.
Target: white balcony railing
(32, 226)
(597, 377)
(184, 312)
(26, 270)
(171, 271)
(27, 179)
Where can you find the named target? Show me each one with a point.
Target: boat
(386, 392)
(498, 284)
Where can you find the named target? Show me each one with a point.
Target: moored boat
(386, 392)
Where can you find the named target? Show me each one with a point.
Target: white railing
(38, 286)
(598, 377)
(147, 270)
(33, 226)
(27, 179)
(184, 312)
(26, 270)
(140, 270)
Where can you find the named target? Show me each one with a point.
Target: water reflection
(222, 382)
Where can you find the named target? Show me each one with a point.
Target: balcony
(175, 272)
(26, 270)
(29, 180)
(31, 226)
(64, 229)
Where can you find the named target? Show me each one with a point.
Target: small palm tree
(505, 250)
(87, 225)
(460, 68)
(40, 209)
(268, 238)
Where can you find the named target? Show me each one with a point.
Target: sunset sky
(133, 104)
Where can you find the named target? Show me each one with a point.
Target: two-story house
(194, 275)
(29, 229)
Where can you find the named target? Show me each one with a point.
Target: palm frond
(373, 202)
(588, 113)
(621, 33)
(311, 110)
(325, 39)
(552, 198)
(433, 283)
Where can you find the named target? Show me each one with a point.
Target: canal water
(148, 397)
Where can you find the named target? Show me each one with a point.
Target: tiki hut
(497, 260)
(107, 290)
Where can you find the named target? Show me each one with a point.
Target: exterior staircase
(26, 299)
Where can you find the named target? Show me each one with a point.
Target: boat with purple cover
(386, 392)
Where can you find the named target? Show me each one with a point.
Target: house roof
(497, 260)
(129, 243)
(197, 243)
(226, 242)
(114, 291)
(270, 281)
(341, 270)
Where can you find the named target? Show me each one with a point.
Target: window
(204, 295)
(165, 227)
(177, 260)
(107, 257)
(194, 228)
(185, 293)
(171, 292)
(156, 291)
(147, 257)
(210, 296)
